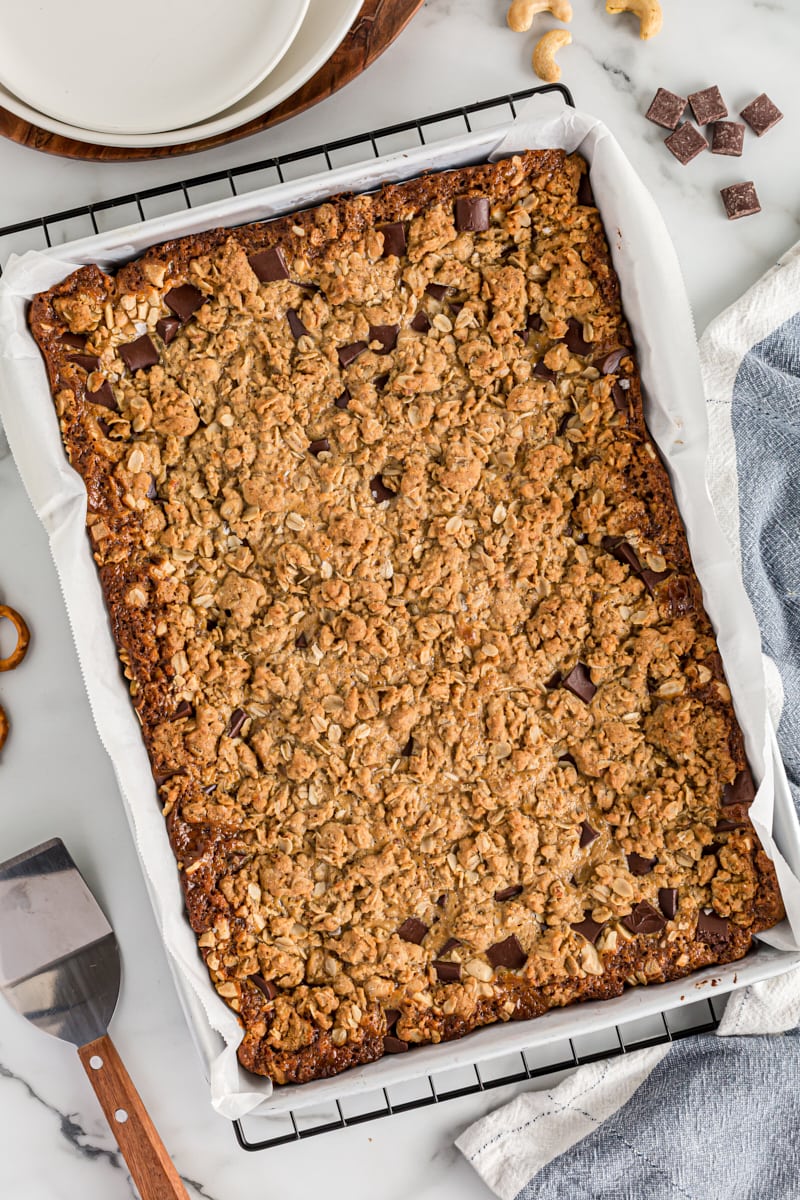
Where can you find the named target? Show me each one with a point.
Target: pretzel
(3, 727)
(20, 650)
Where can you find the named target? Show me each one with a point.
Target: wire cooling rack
(542, 1064)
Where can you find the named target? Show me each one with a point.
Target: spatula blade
(59, 961)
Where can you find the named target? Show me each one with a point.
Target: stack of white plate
(164, 72)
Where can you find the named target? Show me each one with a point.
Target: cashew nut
(23, 638)
(648, 12)
(544, 62)
(521, 14)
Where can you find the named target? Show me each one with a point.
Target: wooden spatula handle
(150, 1166)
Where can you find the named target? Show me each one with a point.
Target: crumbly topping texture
(437, 717)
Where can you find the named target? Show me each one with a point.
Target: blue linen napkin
(713, 1117)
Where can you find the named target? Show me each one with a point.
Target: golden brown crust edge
(134, 633)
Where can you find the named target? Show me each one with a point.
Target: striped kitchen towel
(712, 1117)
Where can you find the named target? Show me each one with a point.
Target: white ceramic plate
(158, 65)
(323, 29)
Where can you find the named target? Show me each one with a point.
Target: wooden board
(375, 28)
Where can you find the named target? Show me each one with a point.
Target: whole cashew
(521, 14)
(648, 12)
(23, 638)
(544, 62)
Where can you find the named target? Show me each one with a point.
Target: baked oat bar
(436, 715)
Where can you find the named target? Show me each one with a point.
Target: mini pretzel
(3, 727)
(23, 638)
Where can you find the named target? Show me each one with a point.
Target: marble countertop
(54, 775)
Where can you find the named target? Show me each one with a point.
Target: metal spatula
(59, 967)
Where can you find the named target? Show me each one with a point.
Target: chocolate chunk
(588, 835)
(413, 930)
(668, 901)
(507, 953)
(725, 826)
(709, 923)
(104, 396)
(710, 849)
(349, 354)
(318, 446)
(650, 579)
(576, 342)
(238, 718)
(563, 424)
(301, 642)
(394, 1045)
(392, 1016)
(579, 682)
(666, 109)
(543, 372)
(553, 682)
(343, 400)
(379, 490)
(622, 551)
(534, 322)
(585, 193)
(449, 945)
(269, 265)
(152, 490)
(448, 972)
(161, 777)
(640, 866)
(408, 749)
(76, 340)
(472, 214)
(609, 363)
(420, 324)
(708, 105)
(184, 709)
(184, 301)
(440, 903)
(386, 335)
(644, 919)
(686, 143)
(380, 381)
(761, 114)
(741, 791)
(166, 328)
(437, 290)
(727, 137)
(394, 239)
(295, 324)
(589, 929)
(89, 362)
(740, 200)
(455, 306)
(140, 354)
(508, 893)
(619, 395)
(264, 985)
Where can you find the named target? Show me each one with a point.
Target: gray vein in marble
(72, 1131)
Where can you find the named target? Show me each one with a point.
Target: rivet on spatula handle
(151, 1167)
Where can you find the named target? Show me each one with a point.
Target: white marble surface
(54, 776)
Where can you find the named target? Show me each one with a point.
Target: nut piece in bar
(686, 143)
(666, 109)
(740, 200)
(761, 114)
(708, 105)
(727, 137)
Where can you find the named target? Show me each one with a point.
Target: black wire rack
(541, 1065)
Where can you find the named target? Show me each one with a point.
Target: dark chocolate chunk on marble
(686, 143)
(727, 137)
(708, 105)
(666, 108)
(740, 200)
(761, 114)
